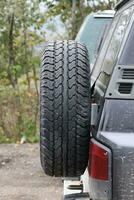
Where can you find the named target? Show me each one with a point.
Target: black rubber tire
(64, 109)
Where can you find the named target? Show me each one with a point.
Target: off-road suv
(93, 31)
(90, 126)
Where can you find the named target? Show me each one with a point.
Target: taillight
(98, 161)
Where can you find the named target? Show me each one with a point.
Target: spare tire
(64, 109)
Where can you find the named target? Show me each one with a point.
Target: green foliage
(16, 70)
(5, 139)
(20, 22)
(21, 118)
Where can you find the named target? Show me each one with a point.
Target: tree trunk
(26, 60)
(13, 78)
(73, 18)
(11, 51)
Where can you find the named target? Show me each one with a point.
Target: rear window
(127, 57)
(91, 34)
(118, 116)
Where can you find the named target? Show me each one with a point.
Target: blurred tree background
(25, 25)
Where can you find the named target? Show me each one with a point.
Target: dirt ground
(21, 176)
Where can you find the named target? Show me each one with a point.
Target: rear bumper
(72, 194)
(83, 196)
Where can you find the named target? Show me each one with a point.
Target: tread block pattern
(64, 109)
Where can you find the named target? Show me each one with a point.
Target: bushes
(18, 114)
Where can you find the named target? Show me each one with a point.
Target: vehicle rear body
(116, 117)
(113, 83)
(110, 173)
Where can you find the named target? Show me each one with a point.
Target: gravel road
(21, 176)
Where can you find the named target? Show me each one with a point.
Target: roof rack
(121, 3)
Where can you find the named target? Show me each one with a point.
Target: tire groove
(64, 109)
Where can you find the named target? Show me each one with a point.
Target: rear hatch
(122, 145)
(117, 132)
